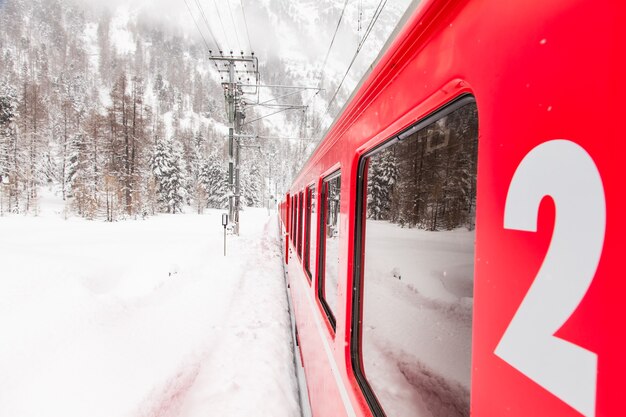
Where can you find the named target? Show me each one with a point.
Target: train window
(294, 235)
(310, 232)
(329, 246)
(415, 261)
(297, 223)
(293, 219)
(300, 222)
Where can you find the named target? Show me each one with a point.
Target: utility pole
(230, 103)
(239, 116)
(243, 79)
(233, 93)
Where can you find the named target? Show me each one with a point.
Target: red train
(454, 243)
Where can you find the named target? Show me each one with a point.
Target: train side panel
(547, 299)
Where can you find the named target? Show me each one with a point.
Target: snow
(417, 319)
(104, 95)
(121, 37)
(91, 38)
(143, 317)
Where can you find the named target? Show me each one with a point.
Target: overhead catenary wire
(281, 106)
(360, 17)
(332, 41)
(377, 13)
(232, 18)
(271, 114)
(206, 22)
(197, 27)
(219, 16)
(245, 22)
(375, 16)
(274, 99)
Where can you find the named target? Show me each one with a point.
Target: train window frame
(300, 223)
(356, 357)
(292, 210)
(321, 242)
(295, 222)
(308, 221)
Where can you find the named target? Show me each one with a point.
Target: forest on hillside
(119, 116)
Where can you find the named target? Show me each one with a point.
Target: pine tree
(251, 186)
(214, 181)
(177, 181)
(70, 85)
(195, 161)
(8, 139)
(169, 172)
(8, 116)
(382, 178)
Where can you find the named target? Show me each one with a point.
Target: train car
(454, 242)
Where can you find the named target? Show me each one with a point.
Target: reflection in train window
(329, 241)
(293, 219)
(300, 223)
(417, 269)
(310, 232)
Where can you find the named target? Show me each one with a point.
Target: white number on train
(564, 171)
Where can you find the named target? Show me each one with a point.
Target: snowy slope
(292, 38)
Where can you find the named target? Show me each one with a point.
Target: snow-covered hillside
(88, 89)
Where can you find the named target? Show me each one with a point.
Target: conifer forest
(120, 121)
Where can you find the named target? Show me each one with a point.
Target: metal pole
(237, 187)
(231, 131)
(224, 224)
(237, 124)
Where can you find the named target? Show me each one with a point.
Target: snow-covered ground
(143, 318)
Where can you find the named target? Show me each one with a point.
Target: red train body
(546, 305)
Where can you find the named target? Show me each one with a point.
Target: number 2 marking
(564, 171)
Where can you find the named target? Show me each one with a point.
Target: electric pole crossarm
(252, 58)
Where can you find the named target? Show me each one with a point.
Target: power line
(246, 24)
(232, 18)
(375, 16)
(331, 43)
(319, 84)
(219, 15)
(206, 22)
(197, 27)
(271, 114)
(360, 16)
(274, 99)
(377, 13)
(281, 106)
